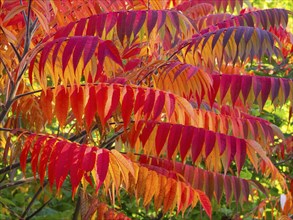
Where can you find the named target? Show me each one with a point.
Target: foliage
(145, 109)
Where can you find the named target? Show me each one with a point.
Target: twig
(77, 208)
(38, 210)
(10, 210)
(33, 199)
(13, 166)
(28, 29)
(108, 143)
(7, 71)
(6, 129)
(27, 93)
(16, 52)
(20, 182)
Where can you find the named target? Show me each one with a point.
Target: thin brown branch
(13, 166)
(7, 71)
(38, 210)
(16, 183)
(10, 210)
(33, 199)
(16, 52)
(28, 30)
(77, 208)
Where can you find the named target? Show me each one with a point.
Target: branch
(6, 69)
(28, 29)
(16, 52)
(33, 199)
(11, 211)
(77, 208)
(19, 182)
(38, 210)
(13, 166)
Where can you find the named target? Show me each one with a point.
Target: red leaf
(139, 21)
(228, 188)
(89, 159)
(92, 24)
(44, 56)
(210, 139)
(219, 183)
(52, 161)
(131, 64)
(44, 157)
(30, 70)
(77, 103)
(275, 88)
(101, 98)
(78, 51)
(205, 202)
(246, 86)
(161, 136)
(64, 32)
(76, 172)
(68, 50)
(89, 49)
(151, 20)
(91, 107)
(130, 19)
(146, 132)
(149, 102)
(36, 152)
(102, 166)
(62, 105)
(170, 104)
(63, 164)
(185, 141)
(237, 188)
(265, 89)
(240, 154)
(159, 104)
(224, 86)
(80, 27)
(286, 88)
(174, 137)
(107, 48)
(197, 143)
(121, 26)
(161, 19)
(55, 52)
(111, 21)
(245, 189)
(209, 184)
(174, 18)
(139, 99)
(256, 87)
(101, 20)
(113, 100)
(222, 143)
(127, 105)
(132, 51)
(24, 152)
(235, 88)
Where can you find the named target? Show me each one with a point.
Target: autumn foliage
(149, 98)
